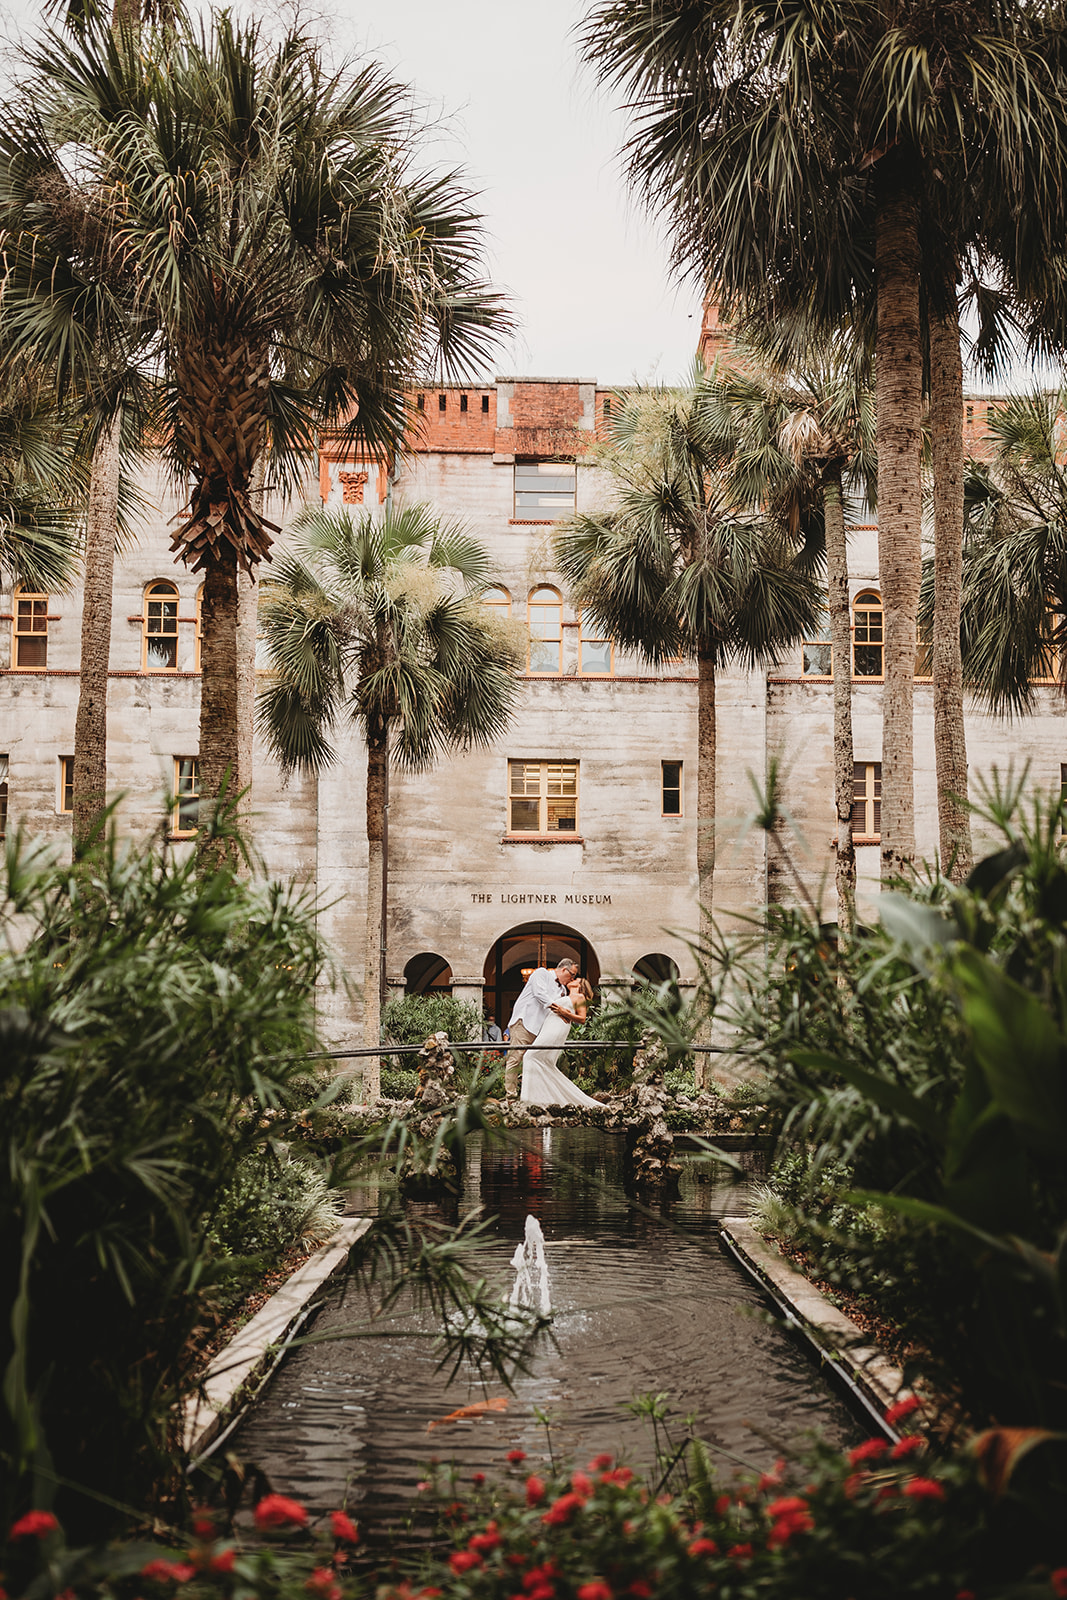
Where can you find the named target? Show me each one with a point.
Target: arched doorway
(529, 945)
(656, 968)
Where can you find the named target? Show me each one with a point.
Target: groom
(544, 992)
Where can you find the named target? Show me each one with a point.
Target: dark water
(639, 1308)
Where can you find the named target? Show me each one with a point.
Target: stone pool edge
(237, 1374)
(863, 1366)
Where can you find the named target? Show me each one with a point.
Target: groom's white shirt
(542, 992)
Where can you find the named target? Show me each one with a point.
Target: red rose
(597, 1590)
(535, 1490)
(463, 1560)
(771, 1480)
(621, 1476)
(641, 1589)
(323, 1585)
(343, 1527)
(515, 1456)
(275, 1511)
(786, 1508)
(1058, 1580)
(203, 1523)
(581, 1484)
(34, 1525)
(484, 1541)
(703, 1547)
(923, 1489)
(477, 1478)
(786, 1527)
(902, 1409)
(223, 1562)
(740, 1552)
(562, 1510)
(163, 1571)
(907, 1447)
(870, 1450)
(722, 1505)
(854, 1483)
(602, 1462)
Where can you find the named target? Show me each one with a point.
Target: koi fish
(478, 1409)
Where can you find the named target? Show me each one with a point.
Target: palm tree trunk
(247, 608)
(844, 755)
(377, 777)
(90, 728)
(898, 403)
(219, 738)
(950, 736)
(706, 737)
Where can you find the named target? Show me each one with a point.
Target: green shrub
(151, 1011)
(399, 1083)
(412, 1018)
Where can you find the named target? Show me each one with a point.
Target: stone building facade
(576, 833)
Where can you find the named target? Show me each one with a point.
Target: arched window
(596, 653)
(499, 599)
(160, 628)
(868, 635)
(545, 616)
(29, 647)
(427, 974)
(655, 968)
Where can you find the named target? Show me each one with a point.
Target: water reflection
(641, 1304)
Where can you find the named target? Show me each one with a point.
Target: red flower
(203, 1523)
(907, 1447)
(515, 1558)
(485, 1541)
(581, 1484)
(463, 1560)
(597, 1590)
(886, 1492)
(740, 1552)
(515, 1456)
(602, 1462)
(34, 1525)
(562, 1510)
(477, 1478)
(641, 1589)
(786, 1527)
(902, 1409)
(343, 1527)
(541, 1591)
(621, 1476)
(854, 1483)
(722, 1505)
(1058, 1580)
(323, 1585)
(535, 1490)
(786, 1508)
(703, 1547)
(870, 1450)
(771, 1480)
(965, 1594)
(275, 1511)
(223, 1562)
(168, 1571)
(923, 1489)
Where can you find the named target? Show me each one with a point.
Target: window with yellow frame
(185, 817)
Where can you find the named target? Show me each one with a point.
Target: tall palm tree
(291, 266)
(797, 152)
(1015, 557)
(379, 621)
(799, 431)
(42, 490)
(679, 568)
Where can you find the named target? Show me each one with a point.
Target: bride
(542, 1082)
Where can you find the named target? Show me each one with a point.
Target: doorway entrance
(516, 954)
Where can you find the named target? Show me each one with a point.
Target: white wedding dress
(543, 1084)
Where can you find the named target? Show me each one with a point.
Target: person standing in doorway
(545, 991)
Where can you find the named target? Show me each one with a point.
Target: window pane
(525, 816)
(562, 778)
(672, 788)
(596, 656)
(32, 651)
(562, 816)
(544, 490)
(161, 654)
(544, 656)
(868, 661)
(66, 783)
(525, 777)
(818, 660)
(187, 788)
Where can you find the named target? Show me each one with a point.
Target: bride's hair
(585, 988)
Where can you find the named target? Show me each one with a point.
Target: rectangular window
(66, 784)
(463, 402)
(595, 653)
(3, 796)
(485, 403)
(544, 490)
(420, 401)
(442, 402)
(818, 651)
(31, 630)
(543, 797)
(867, 800)
(672, 788)
(186, 814)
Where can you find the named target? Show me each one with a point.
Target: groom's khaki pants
(521, 1036)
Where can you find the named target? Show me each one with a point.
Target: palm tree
(380, 622)
(802, 156)
(679, 568)
(42, 491)
(799, 429)
(290, 266)
(1015, 556)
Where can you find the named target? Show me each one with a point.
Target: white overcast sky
(511, 105)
